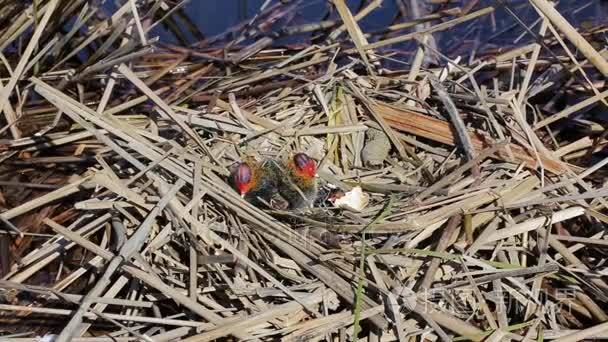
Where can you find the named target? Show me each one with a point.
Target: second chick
(298, 184)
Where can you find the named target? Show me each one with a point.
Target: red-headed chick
(299, 184)
(255, 182)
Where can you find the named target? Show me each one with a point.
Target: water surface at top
(213, 17)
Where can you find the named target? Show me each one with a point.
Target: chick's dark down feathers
(298, 183)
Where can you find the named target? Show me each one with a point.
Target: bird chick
(299, 183)
(255, 182)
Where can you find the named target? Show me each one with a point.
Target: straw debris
(475, 178)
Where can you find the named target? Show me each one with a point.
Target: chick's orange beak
(243, 189)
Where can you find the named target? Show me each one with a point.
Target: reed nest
(484, 166)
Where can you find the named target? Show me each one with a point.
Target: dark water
(213, 17)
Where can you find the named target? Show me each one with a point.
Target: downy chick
(255, 182)
(299, 183)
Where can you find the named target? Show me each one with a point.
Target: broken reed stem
(570, 32)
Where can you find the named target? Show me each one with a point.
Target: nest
(485, 184)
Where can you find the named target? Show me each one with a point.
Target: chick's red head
(305, 165)
(243, 179)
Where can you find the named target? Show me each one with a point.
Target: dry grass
(486, 177)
